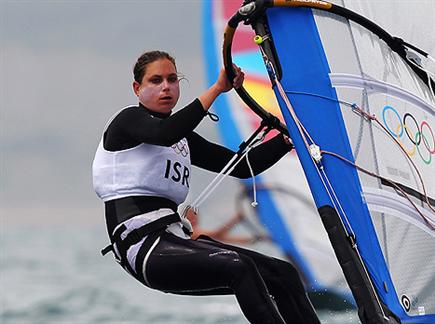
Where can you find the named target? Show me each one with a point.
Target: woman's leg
(200, 268)
(283, 282)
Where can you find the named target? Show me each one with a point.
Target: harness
(127, 208)
(120, 246)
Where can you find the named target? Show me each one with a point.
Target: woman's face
(159, 90)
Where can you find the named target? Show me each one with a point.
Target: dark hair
(147, 58)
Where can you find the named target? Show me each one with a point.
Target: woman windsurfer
(141, 171)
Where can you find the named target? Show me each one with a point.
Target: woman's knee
(236, 265)
(287, 269)
(285, 272)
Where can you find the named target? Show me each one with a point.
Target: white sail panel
(366, 72)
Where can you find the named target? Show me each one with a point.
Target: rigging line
(333, 201)
(319, 96)
(329, 189)
(369, 117)
(228, 168)
(298, 125)
(211, 189)
(355, 108)
(371, 283)
(374, 118)
(217, 180)
(393, 184)
(365, 115)
(409, 159)
(301, 127)
(195, 202)
(272, 71)
(254, 203)
(242, 148)
(322, 169)
(334, 197)
(302, 131)
(293, 113)
(327, 186)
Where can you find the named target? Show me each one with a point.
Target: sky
(65, 68)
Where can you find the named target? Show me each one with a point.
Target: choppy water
(57, 275)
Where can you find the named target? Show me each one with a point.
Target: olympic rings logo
(420, 138)
(181, 148)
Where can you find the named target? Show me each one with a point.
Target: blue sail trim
(306, 69)
(269, 215)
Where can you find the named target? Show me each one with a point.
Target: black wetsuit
(205, 266)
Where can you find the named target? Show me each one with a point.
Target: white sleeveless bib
(144, 170)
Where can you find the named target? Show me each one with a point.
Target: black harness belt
(136, 235)
(119, 210)
(122, 209)
(152, 230)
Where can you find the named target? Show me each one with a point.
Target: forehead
(160, 67)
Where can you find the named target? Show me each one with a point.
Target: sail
(285, 208)
(359, 106)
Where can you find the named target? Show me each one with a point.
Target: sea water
(56, 274)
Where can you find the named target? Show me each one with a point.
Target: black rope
(213, 116)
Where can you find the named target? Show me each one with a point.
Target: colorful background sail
(285, 208)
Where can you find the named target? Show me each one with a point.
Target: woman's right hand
(224, 85)
(221, 85)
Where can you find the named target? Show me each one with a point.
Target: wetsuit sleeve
(136, 125)
(214, 157)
